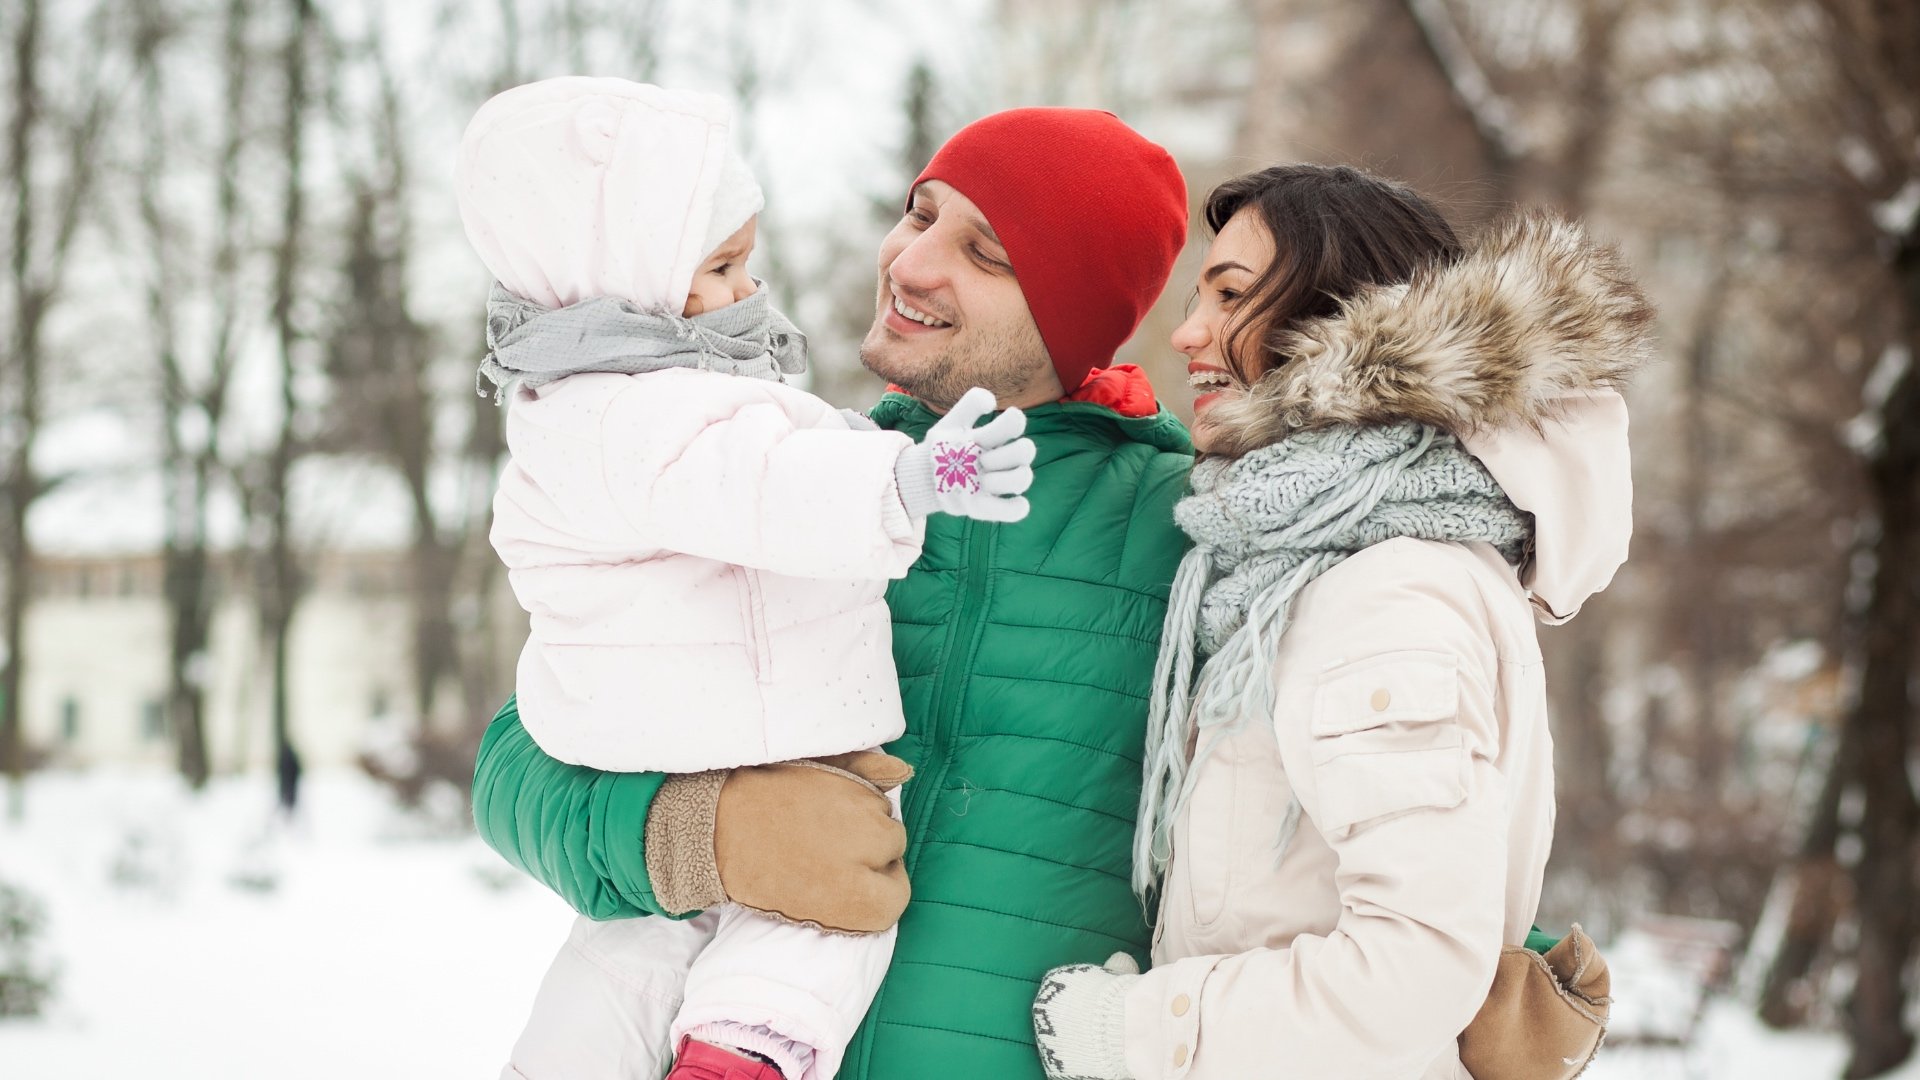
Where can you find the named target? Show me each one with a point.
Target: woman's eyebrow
(1217, 269)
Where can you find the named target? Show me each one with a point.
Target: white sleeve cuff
(1163, 1018)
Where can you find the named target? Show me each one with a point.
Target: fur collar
(1534, 311)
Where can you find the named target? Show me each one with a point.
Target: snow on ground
(1730, 1044)
(197, 938)
(194, 939)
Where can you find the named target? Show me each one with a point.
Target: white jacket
(704, 558)
(703, 555)
(1410, 705)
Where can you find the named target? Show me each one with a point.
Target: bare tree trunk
(1587, 849)
(1489, 117)
(1883, 717)
(281, 579)
(189, 450)
(1818, 884)
(37, 267)
(437, 546)
(509, 43)
(1590, 108)
(24, 409)
(1695, 609)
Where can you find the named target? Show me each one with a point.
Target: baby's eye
(722, 269)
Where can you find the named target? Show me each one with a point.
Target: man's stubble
(1007, 362)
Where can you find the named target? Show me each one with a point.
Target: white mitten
(977, 472)
(1080, 1020)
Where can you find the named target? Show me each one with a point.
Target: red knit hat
(1092, 216)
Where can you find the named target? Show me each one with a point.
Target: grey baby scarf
(529, 345)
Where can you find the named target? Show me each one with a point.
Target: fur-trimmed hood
(1518, 347)
(1534, 311)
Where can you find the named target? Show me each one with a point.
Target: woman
(1412, 450)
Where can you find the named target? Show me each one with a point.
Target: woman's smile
(1208, 382)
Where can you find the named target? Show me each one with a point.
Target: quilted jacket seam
(1086, 492)
(929, 841)
(1051, 738)
(1154, 641)
(955, 1031)
(1016, 792)
(1021, 917)
(1056, 682)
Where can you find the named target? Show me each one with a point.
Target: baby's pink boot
(704, 1061)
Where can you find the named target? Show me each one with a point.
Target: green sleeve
(579, 831)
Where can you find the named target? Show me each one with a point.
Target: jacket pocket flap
(1385, 740)
(1409, 686)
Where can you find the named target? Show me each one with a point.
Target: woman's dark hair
(1336, 230)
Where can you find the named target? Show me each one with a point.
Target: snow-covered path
(381, 951)
(383, 948)
(1730, 1045)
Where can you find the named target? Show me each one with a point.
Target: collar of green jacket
(1163, 431)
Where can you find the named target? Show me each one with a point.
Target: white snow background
(204, 939)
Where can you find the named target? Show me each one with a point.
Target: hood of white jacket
(1574, 474)
(1518, 347)
(578, 187)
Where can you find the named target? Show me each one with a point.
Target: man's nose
(921, 265)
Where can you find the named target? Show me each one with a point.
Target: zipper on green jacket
(976, 553)
(922, 792)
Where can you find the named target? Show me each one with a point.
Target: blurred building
(96, 682)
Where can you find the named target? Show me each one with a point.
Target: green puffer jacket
(1025, 655)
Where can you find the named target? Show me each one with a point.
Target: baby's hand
(976, 472)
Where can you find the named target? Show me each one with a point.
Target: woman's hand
(803, 841)
(1080, 1019)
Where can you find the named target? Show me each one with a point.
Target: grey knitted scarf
(1265, 526)
(530, 345)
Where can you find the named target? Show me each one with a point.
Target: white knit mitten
(1080, 1020)
(977, 472)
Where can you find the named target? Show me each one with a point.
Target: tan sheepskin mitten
(810, 842)
(1544, 1017)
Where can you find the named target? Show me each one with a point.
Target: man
(1030, 249)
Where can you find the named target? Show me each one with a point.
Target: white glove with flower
(976, 472)
(1080, 1020)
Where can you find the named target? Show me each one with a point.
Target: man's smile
(903, 318)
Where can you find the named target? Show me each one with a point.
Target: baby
(702, 548)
